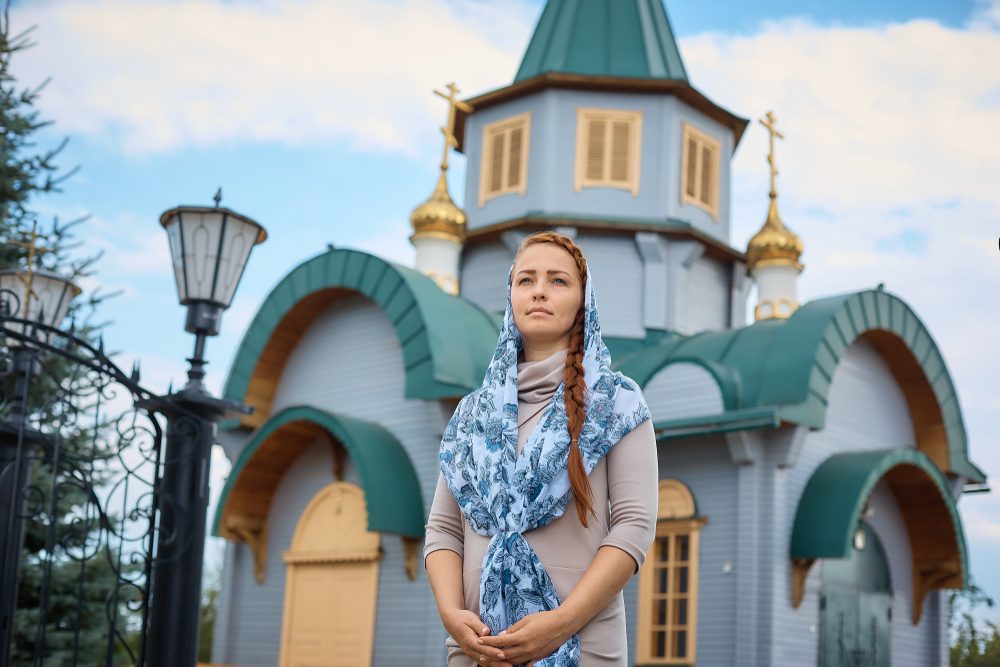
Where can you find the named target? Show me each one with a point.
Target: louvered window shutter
(620, 131)
(596, 131)
(496, 162)
(516, 150)
(706, 175)
(690, 186)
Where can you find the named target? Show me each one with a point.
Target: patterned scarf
(503, 495)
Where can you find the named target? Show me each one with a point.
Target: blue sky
(317, 120)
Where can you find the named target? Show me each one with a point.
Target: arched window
(668, 582)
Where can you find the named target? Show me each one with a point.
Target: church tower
(773, 253)
(602, 136)
(438, 223)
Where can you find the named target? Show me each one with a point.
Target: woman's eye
(521, 281)
(560, 280)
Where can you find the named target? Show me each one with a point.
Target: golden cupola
(439, 217)
(774, 243)
(439, 226)
(773, 253)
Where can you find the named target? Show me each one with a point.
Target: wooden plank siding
(867, 410)
(348, 361)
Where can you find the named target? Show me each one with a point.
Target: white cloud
(987, 15)
(158, 75)
(873, 115)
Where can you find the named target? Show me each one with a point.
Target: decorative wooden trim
(507, 126)
(584, 117)
(930, 576)
(800, 572)
(333, 556)
(702, 140)
(675, 500)
(253, 534)
(411, 549)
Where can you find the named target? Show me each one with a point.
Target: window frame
(505, 125)
(671, 526)
(703, 140)
(634, 157)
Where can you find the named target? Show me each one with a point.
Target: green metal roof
(447, 341)
(617, 38)
(834, 498)
(392, 490)
(789, 364)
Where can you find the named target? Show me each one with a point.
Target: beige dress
(624, 485)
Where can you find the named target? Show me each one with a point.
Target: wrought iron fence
(81, 447)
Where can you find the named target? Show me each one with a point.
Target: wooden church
(810, 460)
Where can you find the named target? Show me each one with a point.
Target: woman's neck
(539, 352)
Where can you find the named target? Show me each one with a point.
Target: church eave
(597, 224)
(682, 90)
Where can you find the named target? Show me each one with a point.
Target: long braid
(575, 384)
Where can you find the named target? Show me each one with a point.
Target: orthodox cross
(770, 125)
(450, 141)
(33, 250)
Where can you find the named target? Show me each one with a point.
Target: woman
(546, 502)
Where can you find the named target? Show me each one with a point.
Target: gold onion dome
(439, 216)
(775, 244)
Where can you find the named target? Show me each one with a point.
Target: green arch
(803, 356)
(392, 490)
(788, 365)
(831, 505)
(447, 341)
(642, 367)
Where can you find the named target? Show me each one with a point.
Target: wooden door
(332, 583)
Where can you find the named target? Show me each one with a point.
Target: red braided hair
(575, 384)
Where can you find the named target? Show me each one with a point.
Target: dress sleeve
(445, 527)
(633, 492)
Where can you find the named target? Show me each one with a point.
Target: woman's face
(545, 295)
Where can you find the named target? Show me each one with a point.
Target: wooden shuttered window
(608, 149)
(505, 157)
(700, 161)
(668, 582)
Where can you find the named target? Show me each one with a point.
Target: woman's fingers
(475, 648)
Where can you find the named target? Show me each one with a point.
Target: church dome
(439, 216)
(775, 244)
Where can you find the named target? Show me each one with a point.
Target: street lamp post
(210, 247)
(33, 296)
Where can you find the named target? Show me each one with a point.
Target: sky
(317, 119)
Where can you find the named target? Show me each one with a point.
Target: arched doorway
(856, 606)
(331, 586)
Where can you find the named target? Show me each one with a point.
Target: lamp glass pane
(174, 237)
(236, 246)
(201, 232)
(50, 296)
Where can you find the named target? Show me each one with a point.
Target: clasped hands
(534, 637)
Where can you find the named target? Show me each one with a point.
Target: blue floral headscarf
(503, 495)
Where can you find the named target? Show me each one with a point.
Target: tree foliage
(66, 607)
(973, 643)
